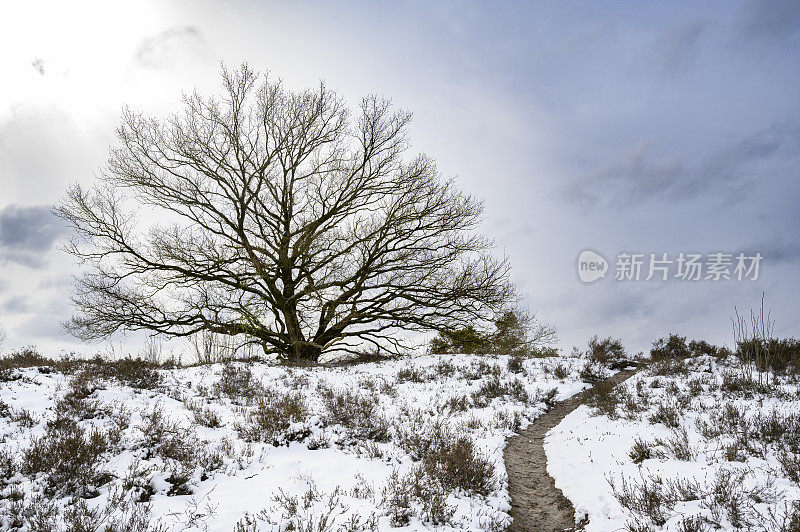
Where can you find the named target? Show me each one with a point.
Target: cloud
(27, 233)
(775, 251)
(170, 46)
(30, 228)
(16, 305)
(729, 172)
(48, 310)
(769, 21)
(38, 65)
(678, 47)
(48, 326)
(57, 282)
(42, 146)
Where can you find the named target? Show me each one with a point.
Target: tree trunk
(304, 352)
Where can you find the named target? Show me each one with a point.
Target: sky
(631, 128)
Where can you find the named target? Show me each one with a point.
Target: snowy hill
(414, 443)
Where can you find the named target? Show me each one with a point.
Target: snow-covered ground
(704, 450)
(255, 446)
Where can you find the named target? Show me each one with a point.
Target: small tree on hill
(515, 332)
(466, 340)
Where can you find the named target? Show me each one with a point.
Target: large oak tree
(279, 217)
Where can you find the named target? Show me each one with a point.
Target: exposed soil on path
(536, 504)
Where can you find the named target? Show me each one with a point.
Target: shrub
(667, 414)
(604, 399)
(452, 460)
(310, 511)
(543, 352)
(8, 465)
(647, 499)
(695, 387)
(784, 354)
(494, 387)
(549, 397)
(29, 357)
(695, 523)
(410, 374)
(69, 458)
(179, 479)
(237, 382)
(701, 347)
(560, 372)
(270, 420)
(133, 372)
(606, 351)
(444, 368)
(790, 466)
(515, 332)
(518, 332)
(670, 348)
(729, 496)
(643, 450)
(118, 513)
(515, 364)
(789, 521)
(457, 465)
(168, 438)
(678, 445)
(417, 489)
(592, 373)
(459, 403)
(78, 402)
(357, 412)
(745, 384)
(669, 367)
(203, 414)
(465, 341)
(770, 354)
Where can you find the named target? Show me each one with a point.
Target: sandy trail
(536, 504)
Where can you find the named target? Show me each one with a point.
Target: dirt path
(536, 504)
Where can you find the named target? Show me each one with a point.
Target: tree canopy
(279, 217)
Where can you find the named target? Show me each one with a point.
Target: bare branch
(280, 218)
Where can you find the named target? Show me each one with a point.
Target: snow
(251, 474)
(588, 451)
(581, 451)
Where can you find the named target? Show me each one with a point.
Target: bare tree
(280, 218)
(210, 348)
(2, 336)
(754, 340)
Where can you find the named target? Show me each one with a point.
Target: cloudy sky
(637, 128)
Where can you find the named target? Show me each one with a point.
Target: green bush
(465, 341)
(510, 332)
(606, 350)
(773, 354)
(543, 352)
(672, 347)
(604, 398)
(701, 347)
(515, 333)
